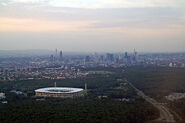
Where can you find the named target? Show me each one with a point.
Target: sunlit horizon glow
(98, 25)
(39, 25)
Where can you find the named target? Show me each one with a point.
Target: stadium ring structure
(62, 92)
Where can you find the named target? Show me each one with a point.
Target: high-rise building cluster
(110, 58)
(56, 57)
(56, 66)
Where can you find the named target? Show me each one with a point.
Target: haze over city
(92, 61)
(93, 25)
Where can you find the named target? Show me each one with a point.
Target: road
(165, 114)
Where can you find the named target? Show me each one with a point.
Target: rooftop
(59, 90)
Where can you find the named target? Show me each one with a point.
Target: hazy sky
(93, 25)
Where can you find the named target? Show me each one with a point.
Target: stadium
(62, 92)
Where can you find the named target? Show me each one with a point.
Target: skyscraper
(126, 55)
(110, 57)
(61, 56)
(87, 59)
(56, 53)
(135, 56)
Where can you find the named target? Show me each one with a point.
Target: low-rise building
(2, 95)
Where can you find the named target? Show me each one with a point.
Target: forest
(159, 82)
(90, 108)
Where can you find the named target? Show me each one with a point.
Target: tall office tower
(61, 56)
(127, 58)
(95, 57)
(126, 55)
(110, 57)
(135, 52)
(117, 60)
(120, 59)
(135, 55)
(87, 59)
(56, 53)
(101, 59)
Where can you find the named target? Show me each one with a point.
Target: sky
(93, 25)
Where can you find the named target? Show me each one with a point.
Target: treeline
(93, 82)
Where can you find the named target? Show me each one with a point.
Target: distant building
(87, 59)
(19, 92)
(126, 55)
(127, 58)
(16, 92)
(51, 58)
(85, 86)
(101, 59)
(135, 56)
(110, 57)
(171, 65)
(2, 95)
(4, 102)
(56, 53)
(61, 56)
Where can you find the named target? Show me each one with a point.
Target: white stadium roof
(58, 90)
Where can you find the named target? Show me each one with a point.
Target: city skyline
(93, 26)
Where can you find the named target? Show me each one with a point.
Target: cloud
(28, 1)
(52, 23)
(105, 3)
(102, 18)
(38, 25)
